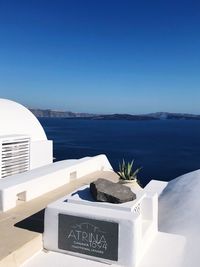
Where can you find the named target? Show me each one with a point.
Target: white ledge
(34, 183)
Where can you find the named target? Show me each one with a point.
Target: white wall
(36, 182)
(41, 153)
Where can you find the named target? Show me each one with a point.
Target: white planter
(133, 184)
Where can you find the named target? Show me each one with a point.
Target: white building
(33, 182)
(23, 142)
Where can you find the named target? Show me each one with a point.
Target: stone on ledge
(106, 191)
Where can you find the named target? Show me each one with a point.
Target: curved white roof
(16, 119)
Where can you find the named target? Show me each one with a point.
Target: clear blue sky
(103, 56)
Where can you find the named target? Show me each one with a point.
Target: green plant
(126, 171)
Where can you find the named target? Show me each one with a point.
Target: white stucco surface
(177, 241)
(55, 259)
(165, 251)
(16, 119)
(31, 184)
(137, 221)
(179, 213)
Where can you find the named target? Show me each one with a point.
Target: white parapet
(34, 183)
(156, 186)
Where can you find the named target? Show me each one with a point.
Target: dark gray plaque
(87, 236)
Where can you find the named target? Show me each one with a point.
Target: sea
(165, 149)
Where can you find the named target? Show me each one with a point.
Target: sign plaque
(96, 238)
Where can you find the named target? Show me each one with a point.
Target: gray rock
(106, 191)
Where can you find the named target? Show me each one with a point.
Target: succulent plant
(126, 171)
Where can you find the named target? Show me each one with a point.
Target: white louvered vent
(15, 156)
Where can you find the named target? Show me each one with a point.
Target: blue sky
(103, 56)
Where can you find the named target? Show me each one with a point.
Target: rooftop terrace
(21, 228)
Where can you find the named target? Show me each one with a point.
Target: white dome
(16, 119)
(179, 213)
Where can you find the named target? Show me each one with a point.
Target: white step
(166, 250)
(55, 259)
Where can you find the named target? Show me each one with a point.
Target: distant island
(48, 113)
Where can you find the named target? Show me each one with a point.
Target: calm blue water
(165, 149)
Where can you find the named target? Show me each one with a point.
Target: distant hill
(169, 116)
(151, 116)
(124, 117)
(48, 113)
